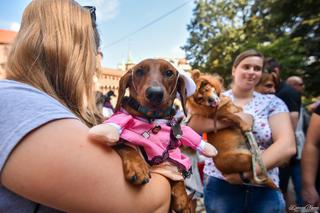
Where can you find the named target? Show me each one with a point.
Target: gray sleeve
(23, 109)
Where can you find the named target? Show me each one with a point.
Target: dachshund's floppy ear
(123, 85)
(183, 93)
(195, 74)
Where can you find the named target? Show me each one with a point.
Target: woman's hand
(235, 178)
(246, 117)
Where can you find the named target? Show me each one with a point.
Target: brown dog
(153, 85)
(237, 148)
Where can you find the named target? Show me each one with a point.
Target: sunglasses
(92, 10)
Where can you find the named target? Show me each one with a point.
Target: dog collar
(149, 114)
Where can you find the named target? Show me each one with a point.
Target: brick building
(106, 81)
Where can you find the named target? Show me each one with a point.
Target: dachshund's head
(209, 88)
(154, 84)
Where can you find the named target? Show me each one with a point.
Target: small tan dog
(237, 149)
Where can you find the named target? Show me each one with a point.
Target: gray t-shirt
(23, 109)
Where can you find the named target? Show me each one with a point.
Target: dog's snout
(154, 94)
(213, 100)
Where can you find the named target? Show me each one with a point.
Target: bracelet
(243, 178)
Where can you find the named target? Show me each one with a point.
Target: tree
(215, 34)
(287, 30)
(300, 20)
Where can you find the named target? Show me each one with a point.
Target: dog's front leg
(237, 120)
(135, 168)
(180, 202)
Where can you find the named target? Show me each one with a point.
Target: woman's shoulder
(13, 93)
(19, 100)
(270, 98)
(24, 108)
(228, 93)
(11, 90)
(270, 102)
(11, 85)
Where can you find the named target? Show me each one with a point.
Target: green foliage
(288, 30)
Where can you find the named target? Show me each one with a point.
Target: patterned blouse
(261, 107)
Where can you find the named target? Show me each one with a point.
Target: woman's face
(248, 72)
(267, 87)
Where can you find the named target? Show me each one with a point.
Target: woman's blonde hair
(55, 51)
(246, 54)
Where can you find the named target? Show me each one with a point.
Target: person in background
(310, 162)
(267, 83)
(285, 92)
(296, 83)
(99, 101)
(311, 107)
(47, 162)
(294, 167)
(292, 99)
(108, 108)
(273, 132)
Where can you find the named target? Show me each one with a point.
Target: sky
(137, 29)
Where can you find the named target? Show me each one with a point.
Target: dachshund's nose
(154, 94)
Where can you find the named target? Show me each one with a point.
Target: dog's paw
(180, 203)
(136, 171)
(245, 127)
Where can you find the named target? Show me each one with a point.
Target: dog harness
(156, 139)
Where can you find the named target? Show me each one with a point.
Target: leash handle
(256, 158)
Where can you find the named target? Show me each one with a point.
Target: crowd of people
(48, 104)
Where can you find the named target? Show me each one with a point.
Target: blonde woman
(274, 135)
(47, 163)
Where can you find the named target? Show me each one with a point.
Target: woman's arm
(310, 161)
(283, 146)
(58, 166)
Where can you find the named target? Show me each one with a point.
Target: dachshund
(237, 149)
(149, 138)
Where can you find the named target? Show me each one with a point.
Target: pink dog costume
(156, 141)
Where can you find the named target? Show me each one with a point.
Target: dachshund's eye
(168, 73)
(139, 72)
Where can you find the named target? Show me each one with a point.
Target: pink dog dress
(156, 141)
